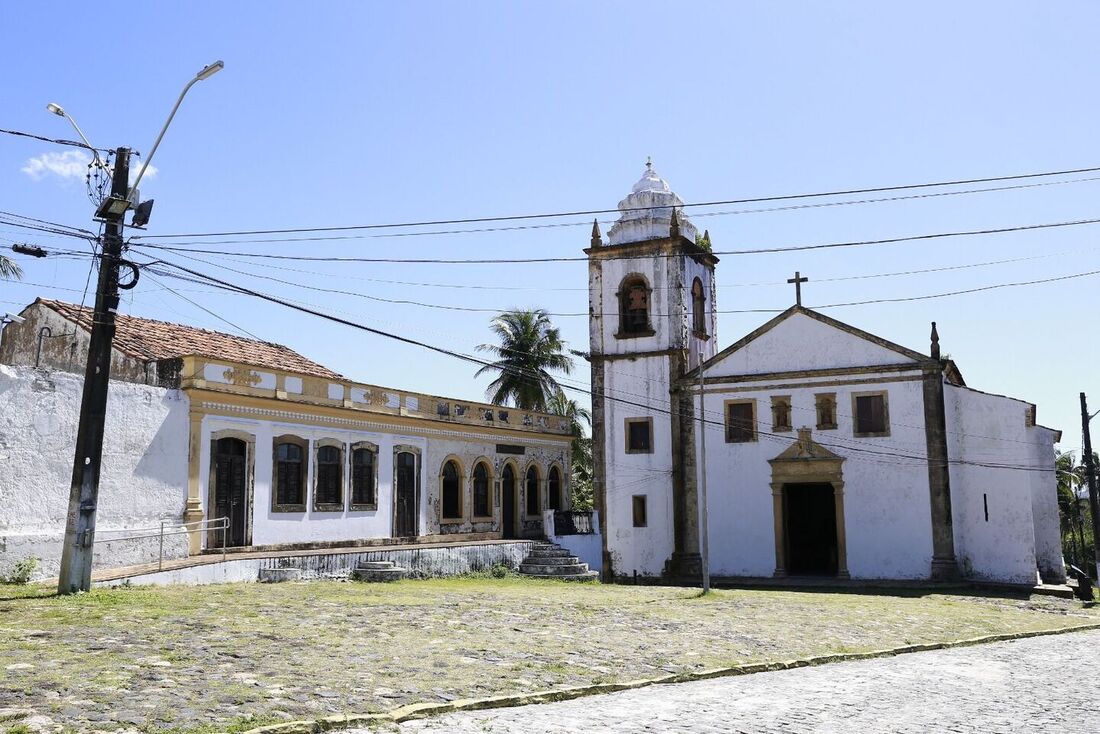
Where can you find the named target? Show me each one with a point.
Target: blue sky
(355, 113)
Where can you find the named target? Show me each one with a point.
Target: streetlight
(76, 560)
(205, 73)
(60, 112)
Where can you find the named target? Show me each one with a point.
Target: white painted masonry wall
(144, 477)
(1019, 532)
(436, 446)
(886, 501)
(644, 388)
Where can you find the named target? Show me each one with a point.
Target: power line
(606, 223)
(514, 261)
(481, 362)
(615, 314)
(57, 141)
(589, 212)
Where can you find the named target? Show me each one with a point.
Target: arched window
(451, 492)
(553, 488)
(289, 474)
(483, 506)
(698, 308)
(634, 307)
(363, 482)
(532, 491)
(328, 494)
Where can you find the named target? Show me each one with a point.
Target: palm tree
(580, 449)
(1074, 509)
(9, 269)
(530, 347)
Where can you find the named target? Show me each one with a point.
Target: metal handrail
(218, 523)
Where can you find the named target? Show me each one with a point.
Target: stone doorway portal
(809, 511)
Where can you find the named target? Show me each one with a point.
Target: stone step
(586, 576)
(552, 560)
(378, 574)
(540, 569)
(374, 565)
(548, 553)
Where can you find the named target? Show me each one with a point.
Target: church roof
(151, 340)
(647, 212)
(954, 376)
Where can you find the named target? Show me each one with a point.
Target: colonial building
(263, 444)
(823, 449)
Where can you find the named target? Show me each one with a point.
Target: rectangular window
(638, 506)
(781, 412)
(290, 454)
(364, 459)
(740, 421)
(826, 410)
(871, 416)
(639, 435)
(328, 491)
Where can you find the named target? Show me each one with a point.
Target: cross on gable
(798, 280)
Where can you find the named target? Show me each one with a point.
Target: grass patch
(212, 658)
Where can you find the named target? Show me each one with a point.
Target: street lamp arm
(206, 72)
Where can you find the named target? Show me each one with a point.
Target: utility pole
(1090, 474)
(76, 558)
(704, 524)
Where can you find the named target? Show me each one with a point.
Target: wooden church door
(404, 496)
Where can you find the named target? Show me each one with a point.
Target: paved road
(1024, 686)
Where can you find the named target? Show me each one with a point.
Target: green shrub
(22, 571)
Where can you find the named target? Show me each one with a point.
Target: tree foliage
(9, 269)
(1073, 511)
(529, 349)
(580, 449)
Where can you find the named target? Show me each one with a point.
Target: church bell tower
(652, 320)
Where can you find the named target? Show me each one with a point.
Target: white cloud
(73, 164)
(70, 164)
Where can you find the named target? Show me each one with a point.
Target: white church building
(808, 447)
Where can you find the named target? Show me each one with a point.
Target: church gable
(801, 339)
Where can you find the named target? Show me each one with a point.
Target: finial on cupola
(674, 225)
(597, 240)
(935, 342)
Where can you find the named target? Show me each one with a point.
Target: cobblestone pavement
(1027, 685)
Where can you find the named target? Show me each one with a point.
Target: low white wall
(588, 547)
(143, 479)
(421, 562)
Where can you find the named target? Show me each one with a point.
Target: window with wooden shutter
(532, 493)
(639, 435)
(328, 494)
(553, 488)
(451, 491)
(871, 415)
(289, 474)
(483, 505)
(740, 421)
(364, 462)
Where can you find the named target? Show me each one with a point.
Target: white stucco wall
(803, 343)
(886, 501)
(988, 436)
(639, 389)
(143, 480)
(435, 446)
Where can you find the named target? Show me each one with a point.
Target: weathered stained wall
(144, 477)
(66, 349)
